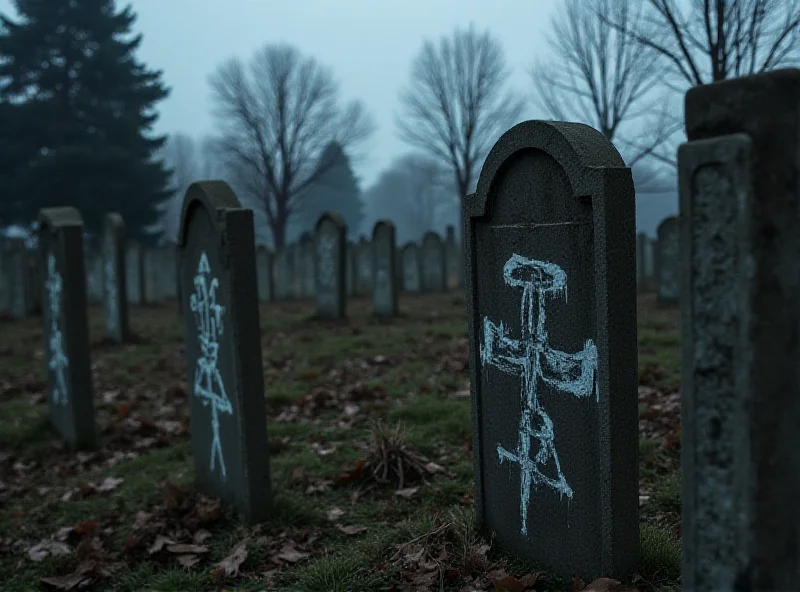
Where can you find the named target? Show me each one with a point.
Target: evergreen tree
(335, 190)
(76, 109)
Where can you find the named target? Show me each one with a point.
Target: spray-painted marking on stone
(532, 359)
(325, 249)
(208, 383)
(112, 322)
(58, 359)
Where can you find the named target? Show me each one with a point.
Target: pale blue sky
(369, 44)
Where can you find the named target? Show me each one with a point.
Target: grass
(325, 385)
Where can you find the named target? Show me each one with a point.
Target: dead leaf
(160, 542)
(504, 582)
(433, 468)
(603, 585)
(529, 580)
(230, 565)
(407, 493)
(182, 548)
(351, 529)
(87, 527)
(292, 555)
(335, 513)
(188, 560)
(68, 582)
(109, 484)
(201, 536)
(48, 548)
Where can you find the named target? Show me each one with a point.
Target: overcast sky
(369, 44)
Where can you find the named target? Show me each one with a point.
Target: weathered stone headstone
(364, 266)
(94, 279)
(114, 279)
(17, 278)
(134, 272)
(66, 326)
(434, 268)
(223, 349)
(412, 280)
(667, 260)
(739, 215)
(644, 262)
(264, 258)
(283, 279)
(554, 380)
(330, 237)
(384, 274)
(452, 256)
(351, 254)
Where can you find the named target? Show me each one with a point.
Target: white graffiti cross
(58, 360)
(532, 359)
(208, 383)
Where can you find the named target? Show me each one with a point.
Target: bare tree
(456, 106)
(706, 41)
(275, 124)
(602, 77)
(415, 192)
(181, 156)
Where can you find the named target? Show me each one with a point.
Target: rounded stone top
(215, 197)
(60, 217)
(334, 217)
(382, 226)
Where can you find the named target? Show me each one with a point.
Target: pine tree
(76, 110)
(335, 190)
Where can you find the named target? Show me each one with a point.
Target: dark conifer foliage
(76, 115)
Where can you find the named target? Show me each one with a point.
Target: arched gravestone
(412, 274)
(434, 267)
(384, 275)
(115, 299)
(264, 258)
(66, 326)
(330, 245)
(223, 349)
(667, 260)
(554, 380)
(740, 409)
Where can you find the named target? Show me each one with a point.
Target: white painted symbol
(532, 359)
(58, 359)
(208, 383)
(326, 245)
(110, 276)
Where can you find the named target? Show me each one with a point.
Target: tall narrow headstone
(364, 266)
(94, 278)
(384, 274)
(66, 326)
(352, 266)
(115, 279)
(667, 260)
(434, 267)
(264, 260)
(554, 379)
(134, 273)
(330, 237)
(412, 274)
(739, 215)
(452, 256)
(223, 349)
(17, 278)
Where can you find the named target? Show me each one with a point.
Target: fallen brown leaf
(47, 548)
(603, 585)
(407, 493)
(160, 542)
(335, 513)
(230, 565)
(188, 560)
(68, 582)
(182, 548)
(351, 529)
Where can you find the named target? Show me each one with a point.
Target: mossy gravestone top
(330, 247)
(223, 349)
(66, 326)
(551, 298)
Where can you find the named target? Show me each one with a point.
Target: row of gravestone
(658, 261)
(553, 379)
(431, 266)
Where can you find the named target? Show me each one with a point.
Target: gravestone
(307, 256)
(412, 280)
(452, 256)
(351, 264)
(434, 268)
(554, 380)
(264, 273)
(364, 266)
(94, 280)
(17, 278)
(330, 236)
(282, 275)
(384, 274)
(134, 272)
(66, 326)
(114, 279)
(667, 260)
(739, 215)
(223, 349)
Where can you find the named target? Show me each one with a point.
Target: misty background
(387, 109)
